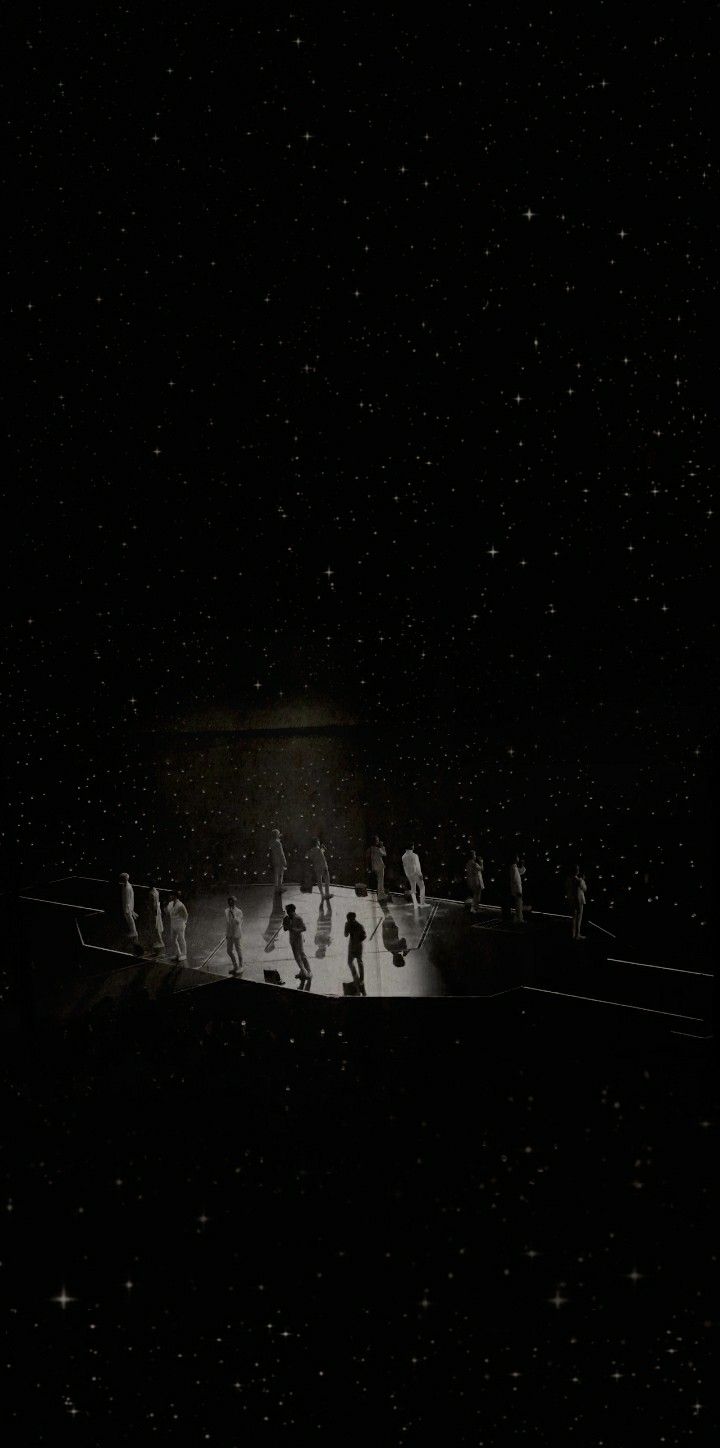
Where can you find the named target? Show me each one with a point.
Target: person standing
(277, 860)
(178, 917)
(476, 884)
(233, 935)
(356, 935)
(127, 901)
(376, 860)
(517, 871)
(414, 875)
(319, 863)
(295, 927)
(575, 891)
(157, 942)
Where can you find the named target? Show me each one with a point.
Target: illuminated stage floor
(409, 951)
(447, 952)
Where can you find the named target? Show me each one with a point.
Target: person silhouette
(476, 884)
(356, 934)
(155, 921)
(233, 935)
(295, 927)
(517, 871)
(575, 892)
(130, 915)
(414, 875)
(277, 860)
(316, 856)
(376, 860)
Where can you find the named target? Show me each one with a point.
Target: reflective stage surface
(410, 952)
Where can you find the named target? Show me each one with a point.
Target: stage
(439, 950)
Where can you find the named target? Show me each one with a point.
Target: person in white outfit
(127, 900)
(277, 859)
(233, 934)
(317, 859)
(474, 877)
(517, 870)
(178, 917)
(376, 859)
(155, 919)
(413, 872)
(575, 891)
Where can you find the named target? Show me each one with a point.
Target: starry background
(359, 396)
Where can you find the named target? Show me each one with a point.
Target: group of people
(176, 913)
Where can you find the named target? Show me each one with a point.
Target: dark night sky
(276, 292)
(358, 378)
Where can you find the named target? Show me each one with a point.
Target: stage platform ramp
(410, 951)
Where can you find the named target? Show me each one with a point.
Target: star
(307, 136)
(328, 572)
(634, 1276)
(518, 398)
(63, 1299)
(155, 138)
(492, 551)
(529, 214)
(557, 1300)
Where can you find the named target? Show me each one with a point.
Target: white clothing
(127, 896)
(516, 874)
(178, 917)
(178, 944)
(156, 920)
(411, 866)
(233, 923)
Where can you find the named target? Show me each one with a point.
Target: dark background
(276, 281)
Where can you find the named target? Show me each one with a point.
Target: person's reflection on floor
(274, 925)
(356, 934)
(323, 931)
(392, 939)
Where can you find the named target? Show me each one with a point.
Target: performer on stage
(157, 942)
(517, 871)
(127, 900)
(411, 866)
(295, 927)
(233, 935)
(376, 859)
(356, 935)
(575, 891)
(277, 859)
(178, 917)
(473, 875)
(319, 863)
